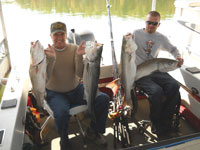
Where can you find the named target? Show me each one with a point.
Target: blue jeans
(157, 86)
(60, 103)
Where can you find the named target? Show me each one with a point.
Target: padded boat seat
(144, 124)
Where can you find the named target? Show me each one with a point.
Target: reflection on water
(120, 8)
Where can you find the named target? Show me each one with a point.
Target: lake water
(29, 20)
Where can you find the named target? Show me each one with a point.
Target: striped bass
(128, 64)
(91, 73)
(156, 64)
(37, 72)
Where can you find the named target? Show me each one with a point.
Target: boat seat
(73, 112)
(76, 38)
(138, 94)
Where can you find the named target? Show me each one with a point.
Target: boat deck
(139, 141)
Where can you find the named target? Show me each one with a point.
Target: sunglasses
(153, 23)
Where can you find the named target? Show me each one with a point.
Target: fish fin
(114, 86)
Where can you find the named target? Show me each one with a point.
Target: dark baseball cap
(58, 27)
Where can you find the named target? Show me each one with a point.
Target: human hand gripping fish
(180, 61)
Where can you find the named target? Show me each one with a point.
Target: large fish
(91, 73)
(37, 72)
(128, 64)
(156, 64)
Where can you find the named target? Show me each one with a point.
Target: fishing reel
(118, 110)
(119, 114)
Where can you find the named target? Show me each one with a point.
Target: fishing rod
(118, 113)
(114, 60)
(193, 92)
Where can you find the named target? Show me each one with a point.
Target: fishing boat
(13, 121)
(14, 125)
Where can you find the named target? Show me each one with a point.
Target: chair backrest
(79, 37)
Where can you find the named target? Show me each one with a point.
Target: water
(29, 20)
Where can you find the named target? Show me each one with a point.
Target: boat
(13, 123)
(14, 126)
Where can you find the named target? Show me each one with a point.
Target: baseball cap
(58, 27)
